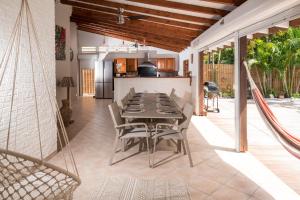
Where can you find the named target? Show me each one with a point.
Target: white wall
(75, 62)
(193, 67)
(184, 55)
(63, 67)
(86, 39)
(24, 134)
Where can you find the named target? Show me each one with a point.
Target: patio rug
(124, 188)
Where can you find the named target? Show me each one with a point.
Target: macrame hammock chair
(22, 175)
(286, 139)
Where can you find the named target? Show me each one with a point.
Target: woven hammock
(286, 139)
(23, 176)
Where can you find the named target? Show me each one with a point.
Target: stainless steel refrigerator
(104, 80)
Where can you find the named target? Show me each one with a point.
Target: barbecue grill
(212, 93)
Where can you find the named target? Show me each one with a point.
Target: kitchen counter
(151, 85)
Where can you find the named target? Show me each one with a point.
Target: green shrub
(296, 95)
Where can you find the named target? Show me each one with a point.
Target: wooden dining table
(152, 106)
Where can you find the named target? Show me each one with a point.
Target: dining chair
(175, 132)
(124, 101)
(172, 94)
(132, 91)
(126, 131)
(180, 102)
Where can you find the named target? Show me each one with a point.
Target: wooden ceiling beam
(168, 41)
(227, 46)
(227, 2)
(139, 38)
(113, 11)
(137, 24)
(295, 23)
(149, 11)
(147, 36)
(184, 6)
(259, 35)
(136, 30)
(123, 36)
(275, 29)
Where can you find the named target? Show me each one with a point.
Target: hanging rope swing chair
(23, 176)
(286, 139)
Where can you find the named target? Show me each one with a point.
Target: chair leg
(188, 151)
(124, 145)
(148, 150)
(154, 148)
(114, 149)
(178, 146)
(140, 144)
(183, 146)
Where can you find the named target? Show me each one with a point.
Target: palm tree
(280, 52)
(263, 51)
(287, 57)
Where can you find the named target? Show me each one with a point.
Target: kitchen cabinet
(161, 64)
(166, 64)
(120, 65)
(131, 65)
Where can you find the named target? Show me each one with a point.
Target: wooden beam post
(202, 111)
(241, 88)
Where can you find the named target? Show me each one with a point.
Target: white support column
(237, 91)
(241, 88)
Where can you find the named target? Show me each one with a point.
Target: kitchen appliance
(104, 80)
(147, 68)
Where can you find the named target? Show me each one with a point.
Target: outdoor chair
(180, 102)
(124, 101)
(126, 131)
(132, 92)
(175, 132)
(172, 94)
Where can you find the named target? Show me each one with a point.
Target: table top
(152, 106)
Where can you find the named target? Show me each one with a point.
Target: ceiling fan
(121, 17)
(138, 45)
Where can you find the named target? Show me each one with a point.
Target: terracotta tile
(226, 193)
(94, 134)
(262, 195)
(204, 185)
(242, 184)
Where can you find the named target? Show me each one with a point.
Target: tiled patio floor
(266, 172)
(261, 142)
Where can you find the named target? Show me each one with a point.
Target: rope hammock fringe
(22, 176)
(286, 139)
